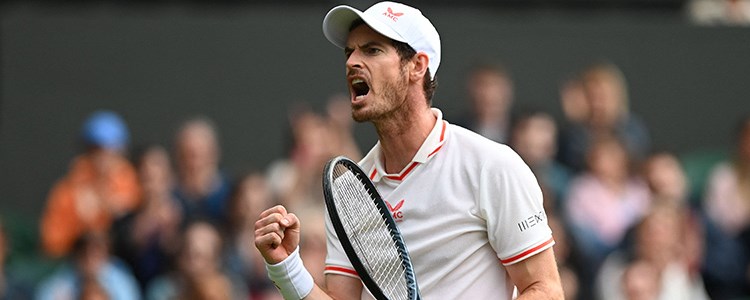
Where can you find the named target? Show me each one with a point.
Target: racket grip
(290, 277)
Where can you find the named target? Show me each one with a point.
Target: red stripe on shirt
(525, 253)
(402, 176)
(436, 150)
(442, 134)
(342, 270)
(442, 137)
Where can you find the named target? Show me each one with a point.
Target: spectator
(608, 115)
(147, 238)
(719, 12)
(251, 196)
(198, 270)
(341, 127)
(640, 281)
(727, 206)
(667, 183)
(666, 179)
(100, 186)
(296, 179)
(728, 197)
(573, 101)
(490, 91)
(315, 138)
(534, 138)
(90, 270)
(202, 188)
(11, 288)
(656, 256)
(604, 202)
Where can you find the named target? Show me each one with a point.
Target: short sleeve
(510, 200)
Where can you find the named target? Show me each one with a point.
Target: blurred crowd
(149, 222)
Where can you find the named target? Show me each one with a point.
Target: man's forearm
(541, 290)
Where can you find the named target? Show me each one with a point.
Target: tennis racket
(367, 232)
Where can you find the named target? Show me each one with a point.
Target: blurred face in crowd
(253, 196)
(155, 172)
(491, 93)
(377, 79)
(201, 249)
(608, 159)
(665, 177)
(658, 236)
(605, 95)
(573, 101)
(197, 148)
(105, 160)
(311, 139)
(535, 139)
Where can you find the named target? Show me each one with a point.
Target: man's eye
(373, 50)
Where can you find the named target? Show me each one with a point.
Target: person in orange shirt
(100, 186)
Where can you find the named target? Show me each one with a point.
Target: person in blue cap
(100, 185)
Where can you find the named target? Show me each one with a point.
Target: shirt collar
(431, 145)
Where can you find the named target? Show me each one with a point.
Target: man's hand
(277, 234)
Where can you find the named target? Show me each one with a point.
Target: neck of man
(402, 134)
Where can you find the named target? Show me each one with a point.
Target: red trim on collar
(435, 151)
(413, 164)
(442, 134)
(442, 137)
(406, 172)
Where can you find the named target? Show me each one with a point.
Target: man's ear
(421, 62)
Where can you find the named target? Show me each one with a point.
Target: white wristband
(291, 277)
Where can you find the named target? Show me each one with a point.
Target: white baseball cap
(396, 21)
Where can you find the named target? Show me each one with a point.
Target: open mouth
(360, 88)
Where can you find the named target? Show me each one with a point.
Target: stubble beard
(392, 96)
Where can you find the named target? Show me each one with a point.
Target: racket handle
(290, 277)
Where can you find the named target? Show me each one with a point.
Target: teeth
(355, 81)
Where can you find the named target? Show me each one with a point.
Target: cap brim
(338, 22)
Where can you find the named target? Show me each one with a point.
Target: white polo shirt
(466, 207)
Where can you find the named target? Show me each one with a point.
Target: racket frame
(385, 214)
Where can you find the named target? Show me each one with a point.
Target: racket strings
(369, 234)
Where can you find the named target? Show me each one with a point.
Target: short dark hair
(406, 52)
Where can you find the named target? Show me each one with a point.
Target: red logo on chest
(396, 210)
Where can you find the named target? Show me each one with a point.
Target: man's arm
(537, 277)
(277, 236)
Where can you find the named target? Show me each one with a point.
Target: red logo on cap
(392, 15)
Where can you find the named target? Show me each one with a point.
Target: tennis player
(470, 209)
